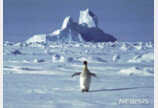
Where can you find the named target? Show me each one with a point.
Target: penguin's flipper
(77, 73)
(94, 75)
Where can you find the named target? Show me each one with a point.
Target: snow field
(40, 75)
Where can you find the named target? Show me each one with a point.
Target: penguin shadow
(119, 89)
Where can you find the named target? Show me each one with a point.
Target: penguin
(85, 78)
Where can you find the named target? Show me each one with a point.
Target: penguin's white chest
(85, 80)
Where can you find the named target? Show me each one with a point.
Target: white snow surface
(141, 58)
(116, 58)
(40, 77)
(135, 71)
(86, 30)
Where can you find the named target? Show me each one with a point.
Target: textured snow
(39, 60)
(143, 58)
(30, 83)
(116, 58)
(57, 58)
(16, 52)
(135, 71)
(86, 30)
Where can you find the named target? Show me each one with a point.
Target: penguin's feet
(86, 90)
(82, 90)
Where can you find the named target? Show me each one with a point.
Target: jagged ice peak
(87, 17)
(67, 22)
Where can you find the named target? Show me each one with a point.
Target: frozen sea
(38, 75)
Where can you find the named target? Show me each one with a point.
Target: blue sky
(127, 20)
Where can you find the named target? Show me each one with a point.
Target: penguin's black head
(85, 62)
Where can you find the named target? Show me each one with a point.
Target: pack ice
(38, 75)
(86, 30)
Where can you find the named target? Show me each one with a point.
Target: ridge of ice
(67, 22)
(135, 71)
(37, 38)
(143, 58)
(57, 32)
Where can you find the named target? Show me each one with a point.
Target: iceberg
(86, 30)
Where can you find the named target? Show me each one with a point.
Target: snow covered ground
(38, 75)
